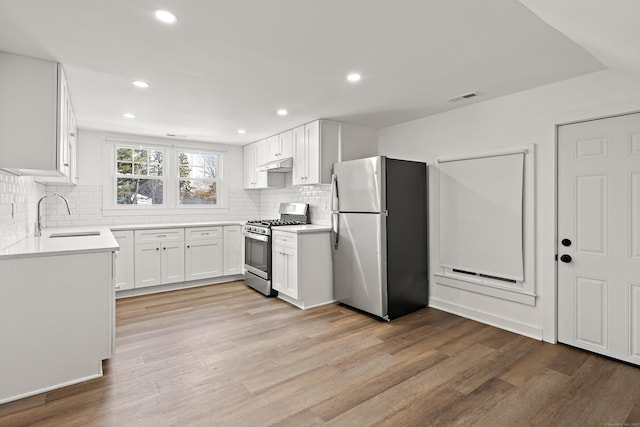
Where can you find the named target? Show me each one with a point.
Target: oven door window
(257, 254)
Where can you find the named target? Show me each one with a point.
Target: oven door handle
(253, 236)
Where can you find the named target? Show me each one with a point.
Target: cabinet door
(249, 154)
(273, 149)
(285, 141)
(299, 155)
(232, 248)
(285, 271)
(124, 260)
(312, 159)
(203, 259)
(172, 262)
(262, 180)
(279, 269)
(72, 132)
(147, 265)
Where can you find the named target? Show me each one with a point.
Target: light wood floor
(224, 355)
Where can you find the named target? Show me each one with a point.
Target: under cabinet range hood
(280, 165)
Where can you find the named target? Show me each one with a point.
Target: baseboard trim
(487, 318)
(175, 286)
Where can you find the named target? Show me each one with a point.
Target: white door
(599, 236)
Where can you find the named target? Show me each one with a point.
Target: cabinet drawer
(159, 235)
(288, 240)
(199, 233)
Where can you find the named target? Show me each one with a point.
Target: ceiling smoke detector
(462, 97)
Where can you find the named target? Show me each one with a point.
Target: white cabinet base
(303, 304)
(57, 317)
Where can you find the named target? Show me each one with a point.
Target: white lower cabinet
(285, 271)
(203, 253)
(124, 260)
(302, 270)
(233, 254)
(159, 257)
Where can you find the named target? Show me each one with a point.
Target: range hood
(280, 165)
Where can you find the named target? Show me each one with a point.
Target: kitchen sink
(75, 234)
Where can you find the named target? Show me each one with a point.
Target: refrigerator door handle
(336, 228)
(335, 201)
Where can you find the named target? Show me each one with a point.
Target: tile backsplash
(18, 199)
(21, 194)
(318, 197)
(86, 209)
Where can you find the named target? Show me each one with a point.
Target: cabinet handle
(204, 234)
(164, 249)
(161, 235)
(188, 246)
(157, 249)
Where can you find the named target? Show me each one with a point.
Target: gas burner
(275, 222)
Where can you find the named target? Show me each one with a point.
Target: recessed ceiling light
(165, 16)
(141, 84)
(242, 131)
(354, 77)
(129, 116)
(282, 112)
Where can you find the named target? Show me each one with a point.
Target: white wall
(527, 117)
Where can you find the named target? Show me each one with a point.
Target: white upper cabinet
(255, 155)
(316, 149)
(280, 146)
(37, 124)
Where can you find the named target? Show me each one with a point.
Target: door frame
(619, 111)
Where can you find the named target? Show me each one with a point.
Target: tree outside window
(198, 178)
(139, 176)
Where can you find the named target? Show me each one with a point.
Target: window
(158, 178)
(197, 176)
(139, 176)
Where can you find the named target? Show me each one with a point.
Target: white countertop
(47, 246)
(173, 225)
(306, 228)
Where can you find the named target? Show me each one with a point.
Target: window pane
(155, 156)
(124, 168)
(155, 169)
(139, 169)
(139, 191)
(195, 165)
(198, 192)
(140, 155)
(124, 154)
(211, 165)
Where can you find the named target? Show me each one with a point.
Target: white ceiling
(607, 29)
(227, 65)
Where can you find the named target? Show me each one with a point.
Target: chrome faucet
(39, 221)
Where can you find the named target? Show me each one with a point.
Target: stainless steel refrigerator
(379, 238)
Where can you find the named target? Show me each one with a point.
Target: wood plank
(226, 355)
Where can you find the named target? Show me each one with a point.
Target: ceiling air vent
(463, 96)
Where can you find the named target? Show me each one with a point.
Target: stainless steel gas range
(257, 245)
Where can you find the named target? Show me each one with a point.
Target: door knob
(566, 242)
(565, 258)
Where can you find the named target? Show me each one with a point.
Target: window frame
(117, 175)
(218, 179)
(171, 198)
